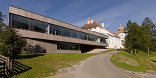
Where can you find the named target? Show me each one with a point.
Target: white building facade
(114, 40)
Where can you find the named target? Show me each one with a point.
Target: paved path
(98, 50)
(98, 66)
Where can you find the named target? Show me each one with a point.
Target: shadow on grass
(19, 68)
(26, 56)
(153, 61)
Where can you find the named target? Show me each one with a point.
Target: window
(90, 37)
(66, 32)
(31, 27)
(83, 35)
(103, 40)
(74, 34)
(20, 22)
(57, 30)
(47, 28)
(40, 26)
(67, 46)
(86, 36)
(96, 38)
(51, 29)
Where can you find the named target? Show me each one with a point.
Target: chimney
(91, 21)
(103, 25)
(88, 22)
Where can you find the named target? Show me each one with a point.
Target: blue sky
(76, 12)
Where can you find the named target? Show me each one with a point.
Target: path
(98, 66)
(97, 50)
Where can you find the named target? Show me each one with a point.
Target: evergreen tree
(138, 37)
(148, 23)
(132, 39)
(145, 39)
(151, 29)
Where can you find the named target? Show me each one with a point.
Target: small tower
(120, 29)
(121, 34)
(89, 21)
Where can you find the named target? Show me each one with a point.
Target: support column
(48, 28)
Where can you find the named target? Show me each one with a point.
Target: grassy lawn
(38, 65)
(139, 62)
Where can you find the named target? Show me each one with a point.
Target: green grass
(142, 59)
(44, 65)
(153, 58)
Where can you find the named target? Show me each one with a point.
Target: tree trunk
(132, 51)
(135, 51)
(148, 50)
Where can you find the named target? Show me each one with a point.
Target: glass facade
(21, 22)
(57, 30)
(50, 29)
(40, 26)
(67, 46)
(67, 32)
(90, 37)
(82, 36)
(75, 34)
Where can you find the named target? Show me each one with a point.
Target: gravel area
(143, 75)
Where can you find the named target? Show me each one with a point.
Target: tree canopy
(2, 17)
(140, 37)
(11, 42)
(132, 40)
(151, 29)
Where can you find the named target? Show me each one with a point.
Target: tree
(132, 40)
(151, 29)
(148, 23)
(2, 17)
(11, 42)
(127, 38)
(145, 39)
(137, 38)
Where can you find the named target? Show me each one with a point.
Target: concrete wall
(39, 46)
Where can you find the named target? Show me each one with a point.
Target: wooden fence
(2, 69)
(6, 66)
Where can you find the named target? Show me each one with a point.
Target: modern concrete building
(47, 35)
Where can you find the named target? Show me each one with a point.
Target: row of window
(38, 26)
(67, 46)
